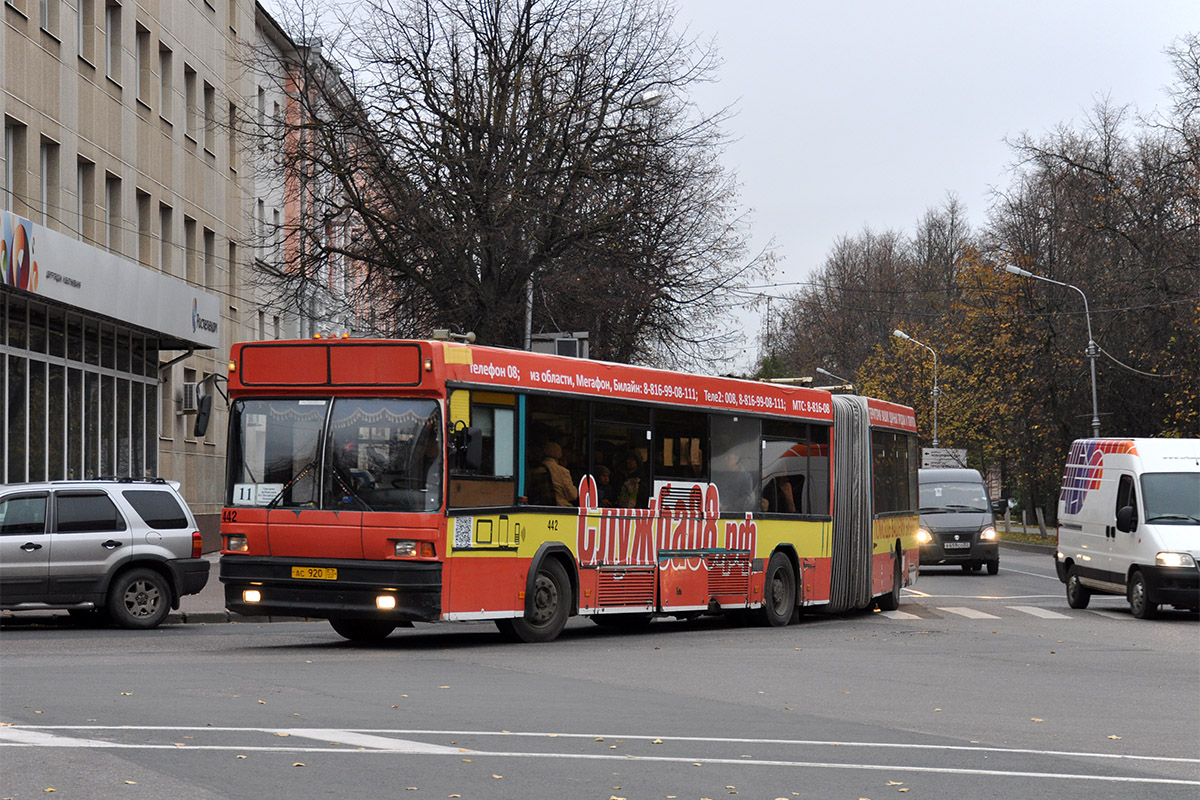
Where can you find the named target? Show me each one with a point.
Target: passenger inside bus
(550, 483)
(633, 487)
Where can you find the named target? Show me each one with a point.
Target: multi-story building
(124, 213)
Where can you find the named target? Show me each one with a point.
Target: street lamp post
(899, 334)
(1091, 345)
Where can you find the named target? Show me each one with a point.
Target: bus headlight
(236, 543)
(1175, 560)
(406, 548)
(924, 536)
(988, 534)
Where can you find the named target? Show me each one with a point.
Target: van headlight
(924, 536)
(1175, 560)
(988, 534)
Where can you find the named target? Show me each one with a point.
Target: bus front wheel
(362, 630)
(546, 612)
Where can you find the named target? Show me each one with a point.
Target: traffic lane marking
(933, 751)
(18, 734)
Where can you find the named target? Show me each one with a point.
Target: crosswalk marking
(374, 742)
(969, 613)
(898, 615)
(1044, 613)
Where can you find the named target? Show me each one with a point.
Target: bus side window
(491, 417)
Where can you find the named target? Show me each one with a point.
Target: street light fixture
(829, 374)
(1091, 345)
(899, 334)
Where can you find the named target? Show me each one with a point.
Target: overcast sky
(866, 113)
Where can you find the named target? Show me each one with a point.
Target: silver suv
(126, 547)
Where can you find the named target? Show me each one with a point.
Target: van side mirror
(999, 507)
(1127, 519)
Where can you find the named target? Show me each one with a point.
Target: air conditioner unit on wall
(190, 401)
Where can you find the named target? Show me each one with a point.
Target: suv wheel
(139, 598)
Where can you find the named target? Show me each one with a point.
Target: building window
(165, 238)
(48, 16)
(87, 30)
(112, 38)
(191, 121)
(210, 118)
(233, 159)
(166, 96)
(260, 229)
(145, 234)
(14, 164)
(262, 117)
(145, 68)
(189, 249)
(276, 236)
(210, 258)
(232, 279)
(49, 195)
(112, 201)
(85, 199)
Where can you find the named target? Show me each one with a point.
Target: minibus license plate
(315, 573)
(954, 545)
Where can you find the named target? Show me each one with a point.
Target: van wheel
(993, 567)
(1139, 598)
(139, 598)
(1078, 595)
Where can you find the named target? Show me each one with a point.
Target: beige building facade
(126, 210)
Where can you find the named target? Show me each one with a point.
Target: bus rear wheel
(363, 630)
(779, 589)
(891, 600)
(546, 611)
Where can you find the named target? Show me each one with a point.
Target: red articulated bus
(380, 483)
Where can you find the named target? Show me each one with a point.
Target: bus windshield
(358, 454)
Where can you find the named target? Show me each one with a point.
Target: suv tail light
(197, 544)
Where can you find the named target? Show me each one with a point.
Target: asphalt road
(980, 686)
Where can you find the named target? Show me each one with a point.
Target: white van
(1129, 523)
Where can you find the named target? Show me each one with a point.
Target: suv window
(20, 515)
(77, 513)
(158, 509)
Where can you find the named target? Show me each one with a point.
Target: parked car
(126, 548)
(957, 525)
(1129, 523)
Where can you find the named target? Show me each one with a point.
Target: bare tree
(477, 148)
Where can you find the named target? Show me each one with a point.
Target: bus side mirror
(1126, 519)
(474, 448)
(203, 412)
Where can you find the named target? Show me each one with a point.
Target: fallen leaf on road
(282, 734)
(1036, 719)
(497, 777)
(262, 702)
(131, 783)
(1114, 736)
(299, 764)
(657, 741)
(241, 756)
(895, 783)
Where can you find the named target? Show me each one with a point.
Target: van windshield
(1172, 498)
(948, 497)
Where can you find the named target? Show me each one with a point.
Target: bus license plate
(315, 573)
(954, 545)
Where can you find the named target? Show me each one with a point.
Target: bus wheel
(891, 600)
(625, 623)
(779, 587)
(1139, 598)
(546, 614)
(362, 630)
